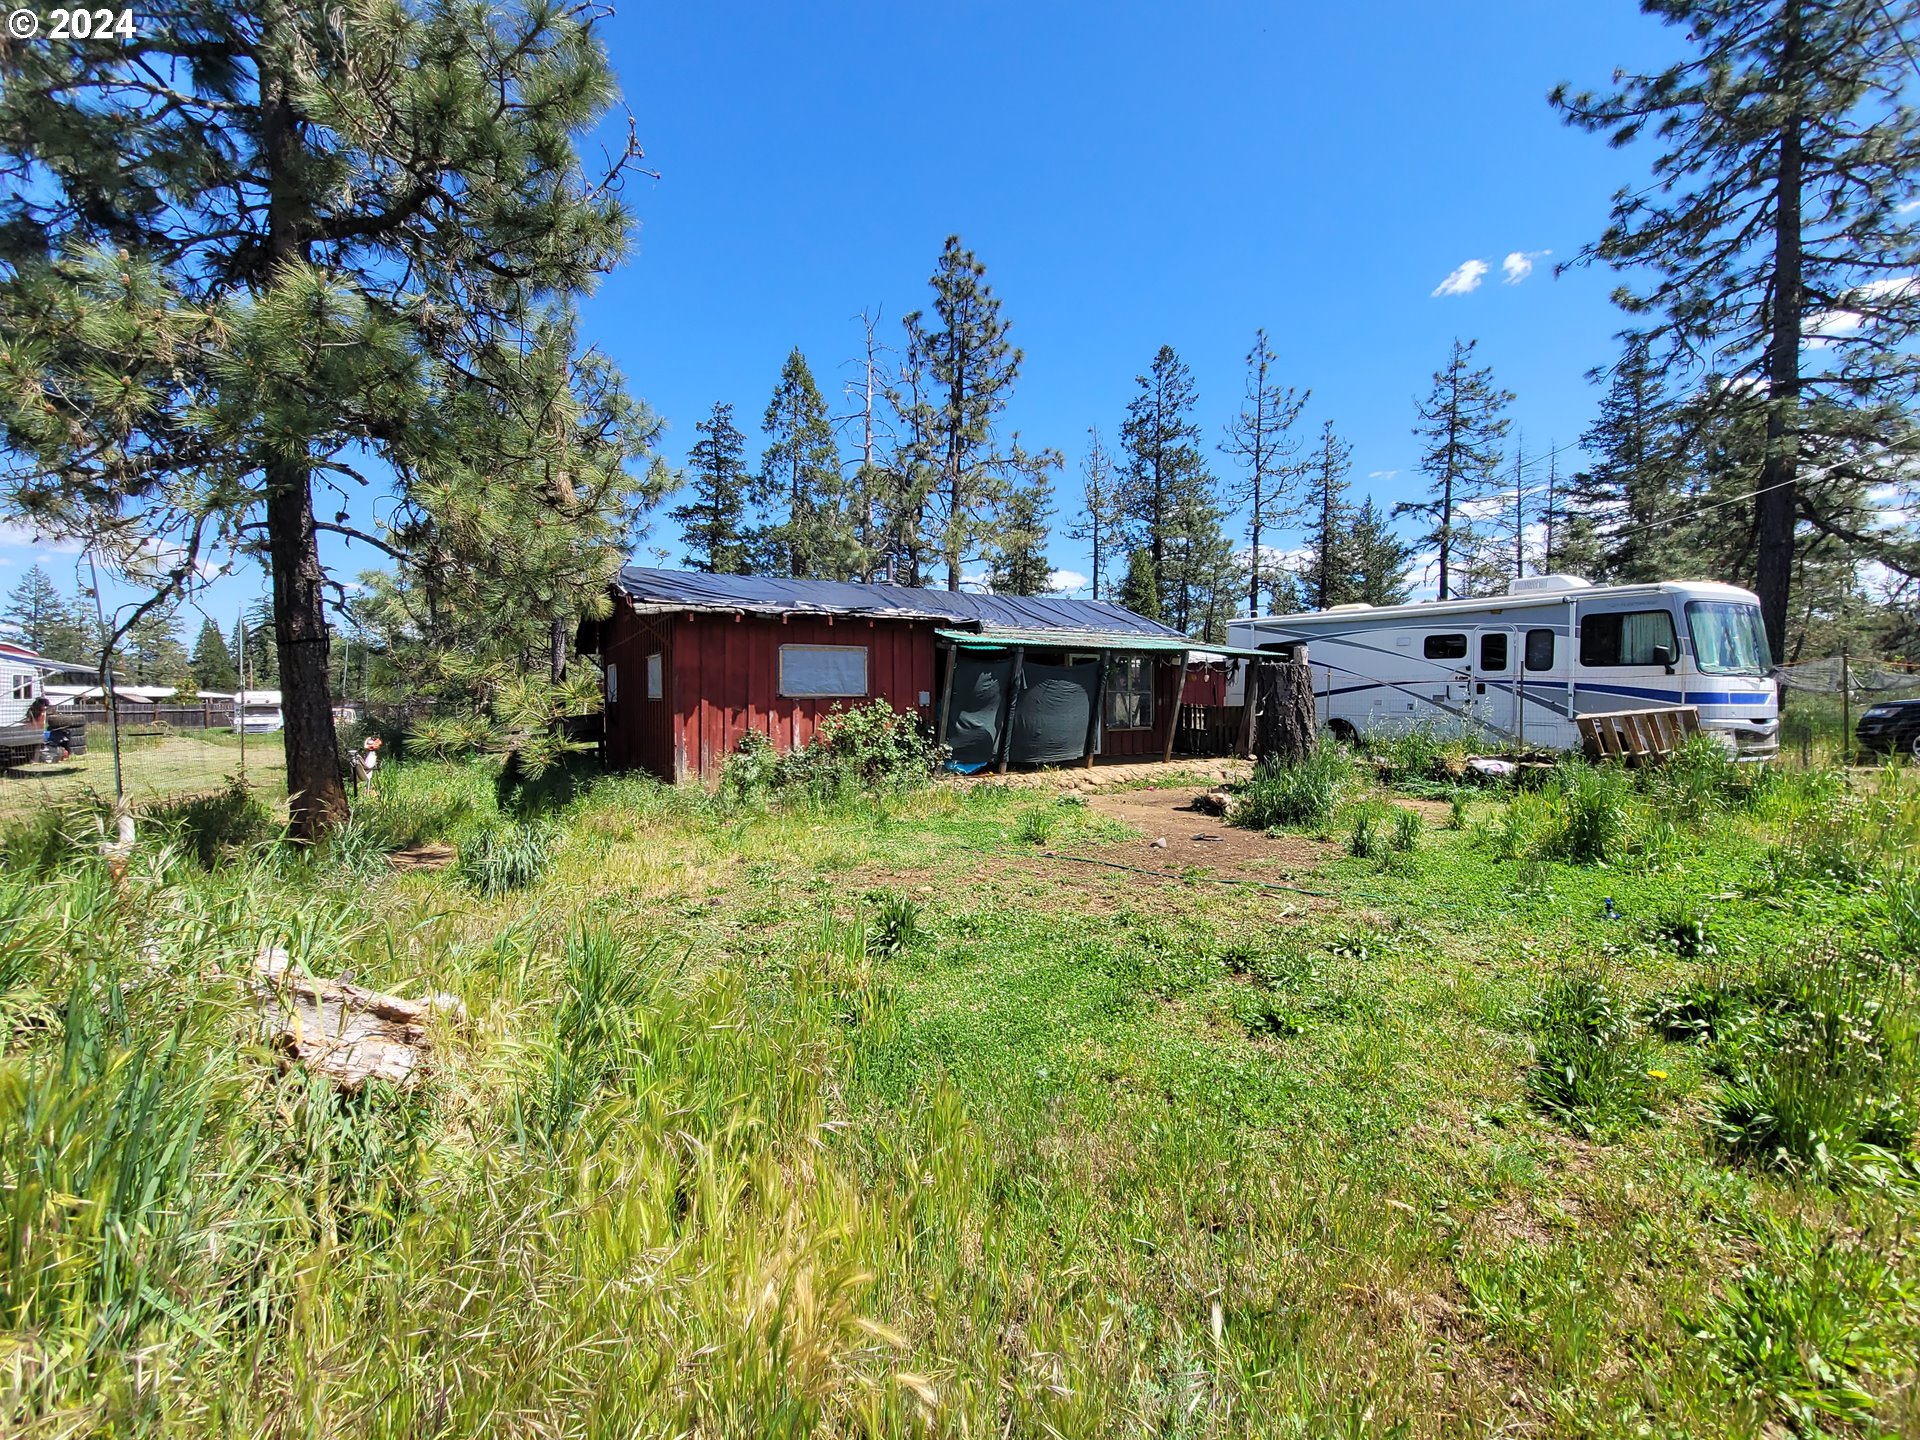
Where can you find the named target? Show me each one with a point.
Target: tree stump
(1285, 726)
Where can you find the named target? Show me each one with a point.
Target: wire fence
(1823, 702)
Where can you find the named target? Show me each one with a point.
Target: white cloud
(1381, 474)
(1519, 265)
(1908, 208)
(21, 536)
(1465, 278)
(1066, 580)
(1827, 326)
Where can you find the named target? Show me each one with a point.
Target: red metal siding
(639, 731)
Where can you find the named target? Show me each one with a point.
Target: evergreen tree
(1283, 594)
(1640, 475)
(1461, 426)
(255, 240)
(1100, 514)
(49, 624)
(1380, 559)
(1780, 244)
(1331, 562)
(1140, 587)
(815, 536)
(1167, 492)
(1020, 564)
(713, 524)
(213, 663)
(153, 652)
(964, 370)
(1259, 436)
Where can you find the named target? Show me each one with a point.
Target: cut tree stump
(348, 1034)
(1285, 726)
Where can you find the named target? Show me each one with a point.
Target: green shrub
(1699, 778)
(1456, 812)
(1684, 929)
(210, 826)
(896, 922)
(1421, 753)
(1306, 793)
(1363, 841)
(1592, 820)
(507, 857)
(1589, 1067)
(1036, 825)
(49, 837)
(1406, 830)
(866, 749)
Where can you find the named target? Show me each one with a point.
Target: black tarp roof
(761, 595)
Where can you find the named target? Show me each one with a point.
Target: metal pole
(240, 700)
(1846, 712)
(106, 685)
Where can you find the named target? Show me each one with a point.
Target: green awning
(1095, 640)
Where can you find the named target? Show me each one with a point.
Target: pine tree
(1167, 491)
(1328, 572)
(713, 524)
(1640, 474)
(1461, 426)
(1780, 245)
(1100, 514)
(49, 624)
(153, 652)
(1380, 559)
(1260, 437)
(1140, 587)
(964, 371)
(228, 275)
(213, 665)
(1020, 565)
(814, 536)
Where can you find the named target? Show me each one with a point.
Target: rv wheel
(1343, 731)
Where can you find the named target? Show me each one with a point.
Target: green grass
(185, 763)
(879, 1117)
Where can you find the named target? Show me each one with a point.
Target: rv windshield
(1728, 638)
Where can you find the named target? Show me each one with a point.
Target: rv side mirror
(1663, 656)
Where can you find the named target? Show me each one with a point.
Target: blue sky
(1131, 175)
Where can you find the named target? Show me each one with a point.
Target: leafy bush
(1593, 823)
(1685, 929)
(1589, 1068)
(1421, 753)
(507, 857)
(869, 748)
(1306, 793)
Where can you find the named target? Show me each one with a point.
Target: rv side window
(1446, 647)
(1627, 638)
(1493, 650)
(1539, 649)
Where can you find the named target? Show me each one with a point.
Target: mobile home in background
(1519, 669)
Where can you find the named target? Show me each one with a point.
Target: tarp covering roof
(651, 589)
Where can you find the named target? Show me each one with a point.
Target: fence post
(1846, 713)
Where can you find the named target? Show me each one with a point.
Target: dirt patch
(1119, 775)
(1192, 838)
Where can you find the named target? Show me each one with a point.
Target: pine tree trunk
(557, 650)
(317, 793)
(1777, 502)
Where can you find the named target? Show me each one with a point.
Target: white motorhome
(257, 712)
(1519, 668)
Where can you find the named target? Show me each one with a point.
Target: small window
(613, 683)
(1130, 694)
(1539, 649)
(1493, 650)
(23, 687)
(655, 681)
(1626, 638)
(819, 671)
(1446, 647)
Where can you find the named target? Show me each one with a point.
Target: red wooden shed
(692, 662)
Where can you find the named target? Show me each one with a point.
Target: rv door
(1496, 660)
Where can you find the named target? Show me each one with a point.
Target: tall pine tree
(1101, 518)
(1328, 572)
(1167, 491)
(1020, 565)
(963, 369)
(1640, 473)
(815, 535)
(213, 665)
(713, 523)
(49, 623)
(1462, 423)
(1259, 438)
(1781, 248)
(1380, 559)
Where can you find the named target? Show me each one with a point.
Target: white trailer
(1518, 669)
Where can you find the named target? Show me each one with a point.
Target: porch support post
(1005, 737)
(952, 653)
(1173, 711)
(1099, 708)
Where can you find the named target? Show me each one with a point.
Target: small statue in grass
(365, 762)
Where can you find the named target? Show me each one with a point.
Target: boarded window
(1626, 638)
(656, 686)
(810, 671)
(1446, 647)
(613, 683)
(1539, 649)
(1130, 694)
(1493, 650)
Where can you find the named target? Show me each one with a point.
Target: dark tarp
(973, 723)
(1051, 712)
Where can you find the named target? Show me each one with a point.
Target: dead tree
(1285, 726)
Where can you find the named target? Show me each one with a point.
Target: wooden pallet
(1638, 737)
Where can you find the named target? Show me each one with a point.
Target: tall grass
(1590, 1065)
(1302, 794)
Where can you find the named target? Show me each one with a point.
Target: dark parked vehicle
(1890, 728)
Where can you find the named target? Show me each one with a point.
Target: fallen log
(347, 1033)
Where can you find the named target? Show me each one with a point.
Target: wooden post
(1173, 717)
(1004, 740)
(952, 653)
(1099, 707)
(1243, 747)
